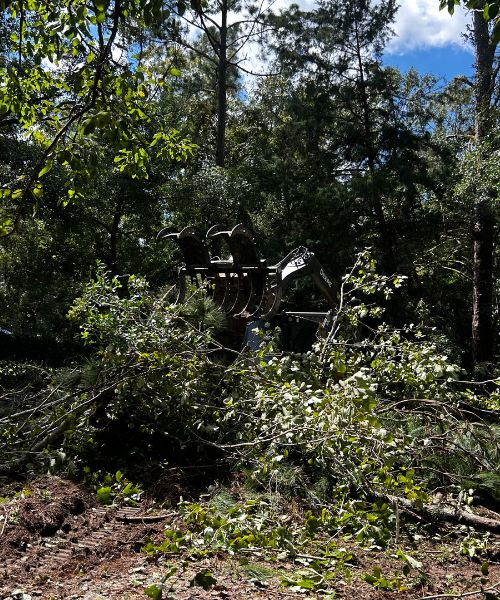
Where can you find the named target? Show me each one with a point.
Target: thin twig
(5, 522)
(492, 588)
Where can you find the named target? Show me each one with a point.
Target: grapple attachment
(193, 247)
(243, 285)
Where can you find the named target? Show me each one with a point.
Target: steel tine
(248, 304)
(249, 294)
(214, 230)
(167, 232)
(242, 246)
(219, 235)
(170, 232)
(255, 288)
(214, 236)
(181, 285)
(193, 247)
(232, 292)
(241, 299)
(217, 230)
(273, 304)
(261, 294)
(219, 289)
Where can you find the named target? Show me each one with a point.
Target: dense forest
(119, 118)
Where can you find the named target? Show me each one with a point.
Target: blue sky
(430, 40)
(445, 62)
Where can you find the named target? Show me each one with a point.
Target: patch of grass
(257, 573)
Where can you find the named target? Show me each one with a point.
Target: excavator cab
(246, 288)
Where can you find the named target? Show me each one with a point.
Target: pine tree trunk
(483, 223)
(114, 234)
(482, 291)
(386, 238)
(220, 156)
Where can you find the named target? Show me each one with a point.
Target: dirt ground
(56, 542)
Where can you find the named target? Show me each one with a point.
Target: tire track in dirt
(97, 534)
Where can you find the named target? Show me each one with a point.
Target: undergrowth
(369, 415)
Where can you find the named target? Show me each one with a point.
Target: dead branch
(444, 513)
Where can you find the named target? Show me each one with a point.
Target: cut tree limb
(444, 513)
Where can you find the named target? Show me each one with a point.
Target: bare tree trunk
(482, 291)
(483, 221)
(220, 155)
(384, 231)
(114, 233)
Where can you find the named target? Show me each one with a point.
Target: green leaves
(6, 225)
(491, 12)
(154, 591)
(449, 4)
(157, 357)
(37, 190)
(104, 495)
(64, 105)
(223, 524)
(46, 169)
(302, 581)
(100, 119)
(101, 5)
(383, 582)
(170, 146)
(204, 579)
(409, 562)
(117, 489)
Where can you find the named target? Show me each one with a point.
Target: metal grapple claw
(241, 244)
(243, 285)
(196, 257)
(193, 247)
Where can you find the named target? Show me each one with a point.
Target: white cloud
(420, 24)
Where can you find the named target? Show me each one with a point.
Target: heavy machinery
(247, 289)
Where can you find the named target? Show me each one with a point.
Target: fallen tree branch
(444, 513)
